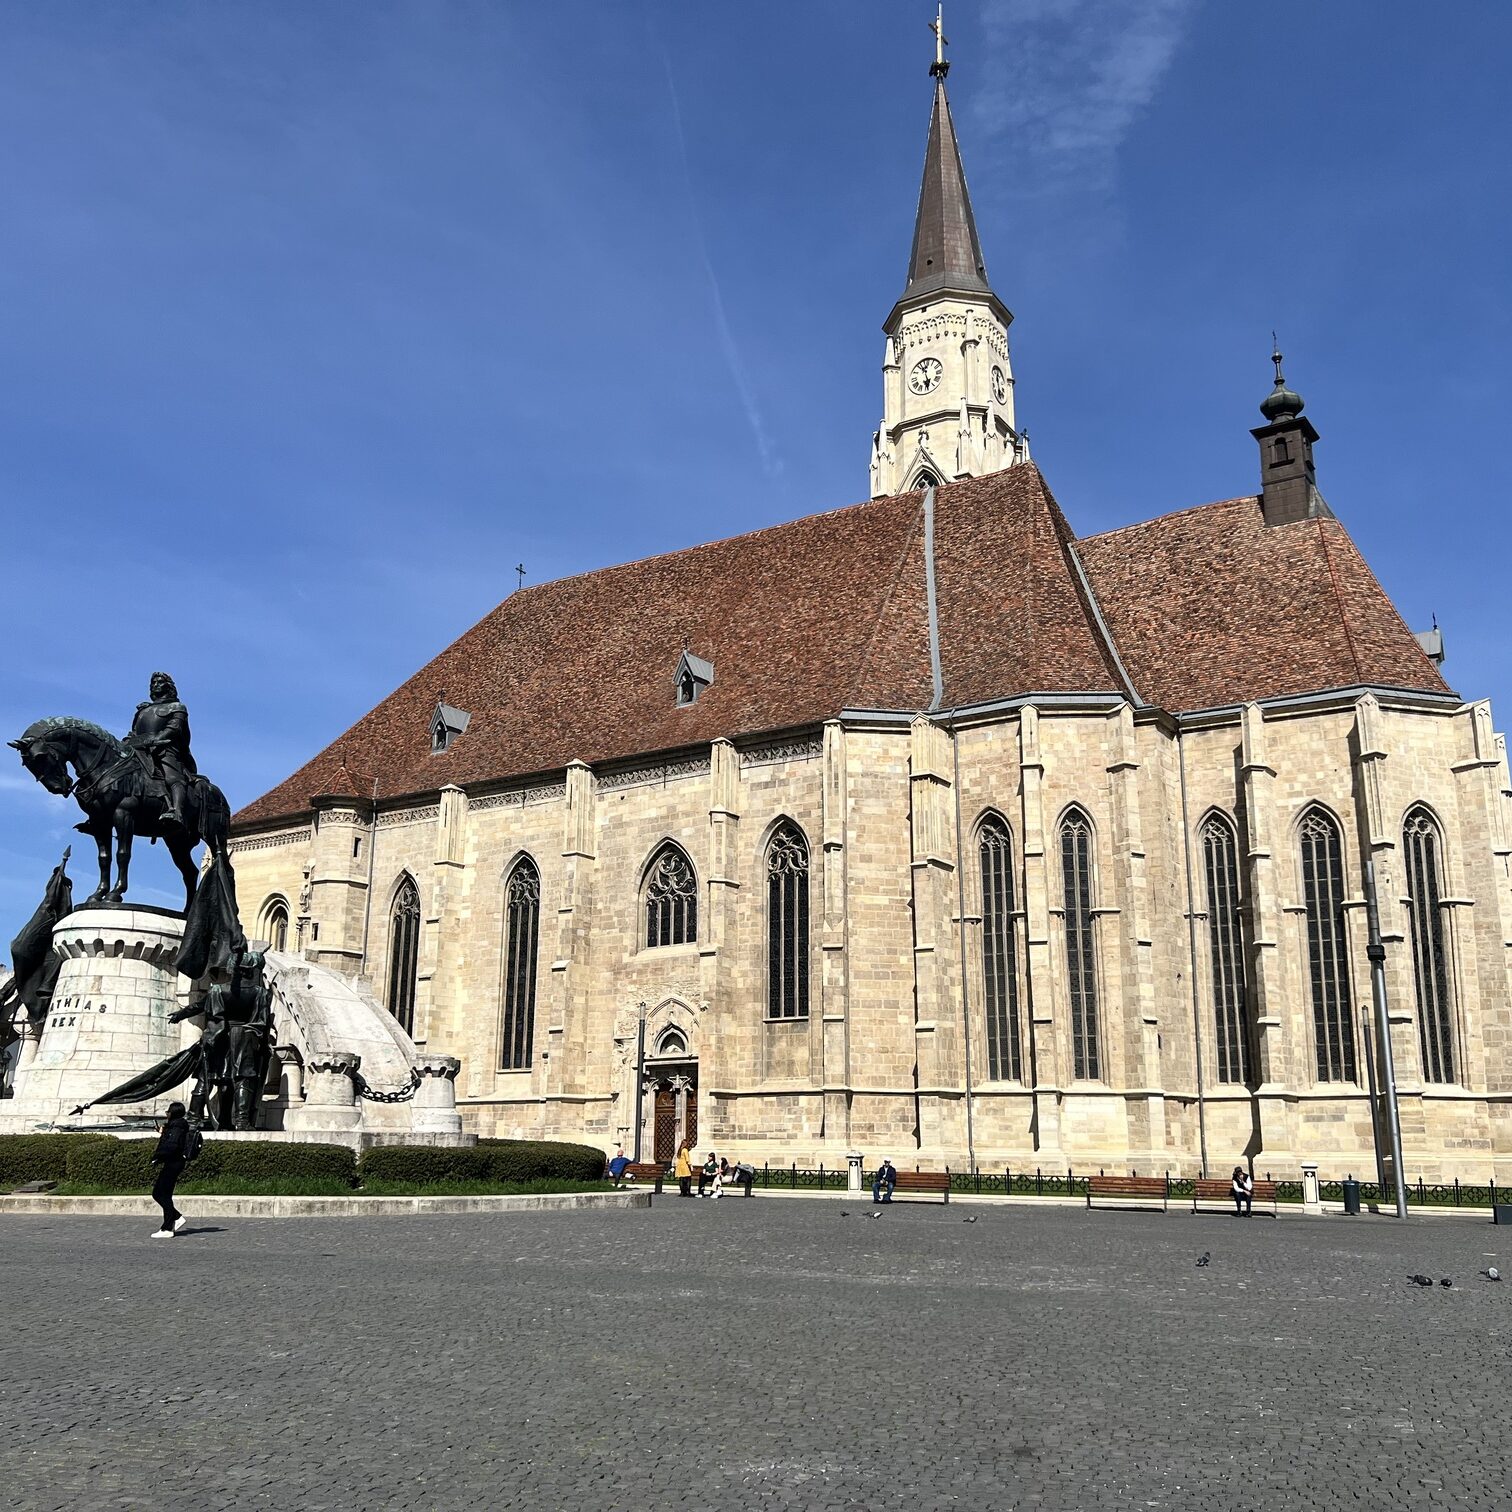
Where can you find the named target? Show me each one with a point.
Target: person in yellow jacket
(682, 1168)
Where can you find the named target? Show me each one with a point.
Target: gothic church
(927, 828)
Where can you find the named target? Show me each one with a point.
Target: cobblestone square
(753, 1354)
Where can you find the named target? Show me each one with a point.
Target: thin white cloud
(770, 461)
(1069, 78)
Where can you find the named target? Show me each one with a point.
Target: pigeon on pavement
(1446, 1282)
(1492, 1274)
(968, 1220)
(1421, 1280)
(1204, 1257)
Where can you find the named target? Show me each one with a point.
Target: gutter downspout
(938, 690)
(367, 911)
(1186, 846)
(935, 671)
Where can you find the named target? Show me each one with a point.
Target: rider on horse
(160, 733)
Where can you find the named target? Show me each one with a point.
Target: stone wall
(888, 808)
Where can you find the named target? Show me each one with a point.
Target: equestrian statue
(145, 785)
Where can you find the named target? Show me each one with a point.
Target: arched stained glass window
(999, 951)
(1421, 845)
(1327, 945)
(788, 924)
(522, 931)
(404, 954)
(671, 899)
(1081, 944)
(1220, 857)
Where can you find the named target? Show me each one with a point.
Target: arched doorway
(671, 1089)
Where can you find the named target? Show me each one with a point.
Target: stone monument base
(108, 1021)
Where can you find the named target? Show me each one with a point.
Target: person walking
(682, 1168)
(1242, 1188)
(173, 1153)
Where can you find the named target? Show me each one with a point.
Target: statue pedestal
(109, 1016)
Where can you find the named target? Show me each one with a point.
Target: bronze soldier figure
(235, 1045)
(160, 731)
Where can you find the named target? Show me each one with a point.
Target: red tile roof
(830, 612)
(1211, 607)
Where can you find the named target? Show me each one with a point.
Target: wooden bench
(653, 1172)
(933, 1183)
(1129, 1190)
(1220, 1190)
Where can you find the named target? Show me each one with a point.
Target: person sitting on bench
(706, 1174)
(884, 1182)
(1243, 1190)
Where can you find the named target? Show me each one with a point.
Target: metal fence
(1071, 1183)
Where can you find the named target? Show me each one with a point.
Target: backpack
(194, 1142)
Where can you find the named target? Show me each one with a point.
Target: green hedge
(38, 1157)
(534, 1159)
(224, 1157)
(101, 1160)
(123, 1164)
(492, 1160)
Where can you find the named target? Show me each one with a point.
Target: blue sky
(315, 318)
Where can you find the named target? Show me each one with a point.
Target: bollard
(1312, 1200)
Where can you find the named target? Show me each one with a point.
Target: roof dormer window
(446, 724)
(694, 674)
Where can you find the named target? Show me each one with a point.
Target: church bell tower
(947, 383)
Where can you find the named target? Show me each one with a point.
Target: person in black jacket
(170, 1157)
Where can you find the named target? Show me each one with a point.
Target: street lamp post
(1376, 951)
(640, 1080)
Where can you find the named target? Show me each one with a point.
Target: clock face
(926, 375)
(999, 385)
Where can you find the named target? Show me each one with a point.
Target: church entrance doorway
(672, 1085)
(676, 1115)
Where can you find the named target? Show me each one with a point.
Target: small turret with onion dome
(1288, 487)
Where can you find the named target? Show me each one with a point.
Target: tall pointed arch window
(404, 953)
(671, 899)
(1327, 945)
(274, 924)
(788, 924)
(522, 933)
(1421, 847)
(999, 951)
(1081, 945)
(1220, 860)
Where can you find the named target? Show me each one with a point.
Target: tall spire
(946, 252)
(947, 382)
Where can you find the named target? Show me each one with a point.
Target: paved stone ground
(761, 1354)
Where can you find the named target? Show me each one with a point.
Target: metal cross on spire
(520, 569)
(1276, 357)
(939, 67)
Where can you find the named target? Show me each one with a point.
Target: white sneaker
(163, 1234)
(178, 1224)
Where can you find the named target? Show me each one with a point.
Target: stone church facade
(925, 828)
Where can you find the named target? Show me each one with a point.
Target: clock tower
(947, 383)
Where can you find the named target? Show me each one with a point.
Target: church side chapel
(926, 828)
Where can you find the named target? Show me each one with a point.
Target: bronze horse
(120, 796)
